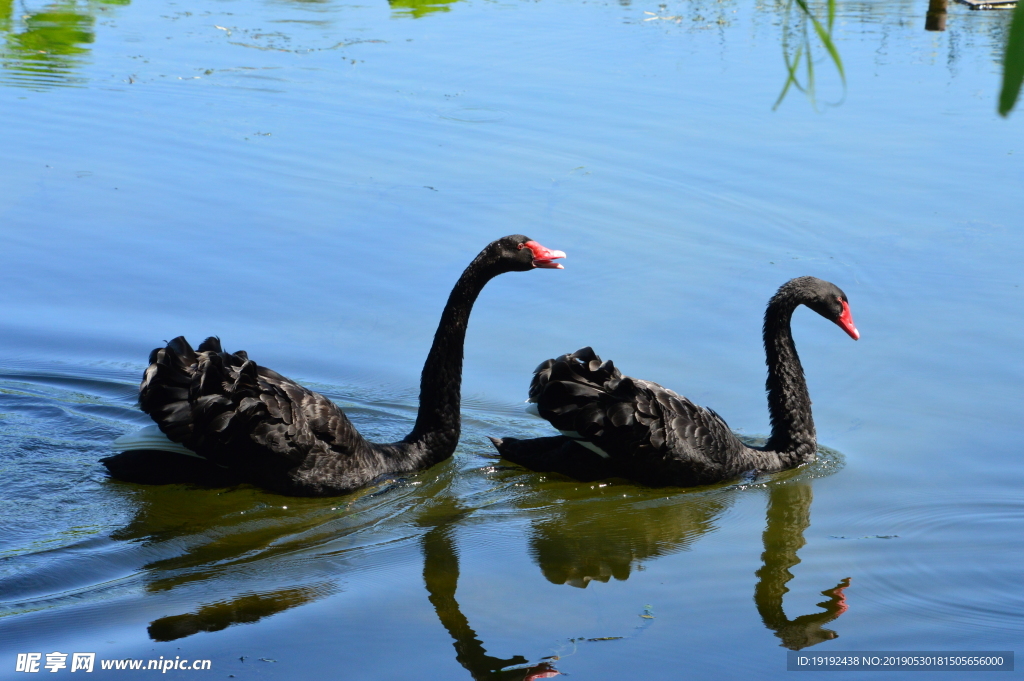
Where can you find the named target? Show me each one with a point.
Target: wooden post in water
(935, 20)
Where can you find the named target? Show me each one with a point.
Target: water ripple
(925, 568)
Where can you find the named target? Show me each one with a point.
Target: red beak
(544, 257)
(845, 321)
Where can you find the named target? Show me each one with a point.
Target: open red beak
(544, 257)
(845, 321)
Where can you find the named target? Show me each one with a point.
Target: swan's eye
(520, 246)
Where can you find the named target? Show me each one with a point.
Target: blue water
(306, 180)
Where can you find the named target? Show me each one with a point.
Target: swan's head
(829, 301)
(525, 254)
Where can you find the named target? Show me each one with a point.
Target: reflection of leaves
(1013, 62)
(54, 33)
(50, 40)
(418, 8)
(800, 30)
(6, 9)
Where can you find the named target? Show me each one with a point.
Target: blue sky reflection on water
(306, 180)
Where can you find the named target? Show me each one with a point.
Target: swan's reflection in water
(231, 542)
(243, 610)
(573, 541)
(441, 577)
(579, 545)
(605, 538)
(789, 514)
(244, 545)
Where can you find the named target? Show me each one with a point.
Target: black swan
(616, 426)
(239, 422)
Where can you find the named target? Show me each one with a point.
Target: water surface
(307, 179)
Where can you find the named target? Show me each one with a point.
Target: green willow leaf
(801, 13)
(1013, 62)
(791, 67)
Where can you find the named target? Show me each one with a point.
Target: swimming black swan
(616, 426)
(240, 422)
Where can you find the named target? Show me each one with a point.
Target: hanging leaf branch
(800, 26)
(1013, 62)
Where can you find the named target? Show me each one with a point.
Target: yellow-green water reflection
(255, 555)
(44, 47)
(418, 8)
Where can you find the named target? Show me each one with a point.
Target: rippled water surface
(307, 179)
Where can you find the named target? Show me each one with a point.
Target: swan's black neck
(793, 438)
(438, 423)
